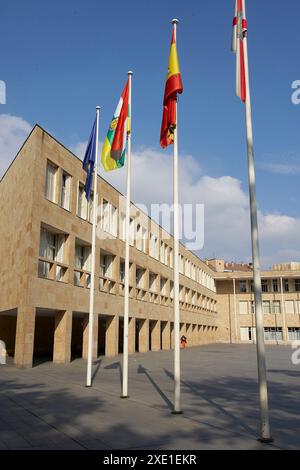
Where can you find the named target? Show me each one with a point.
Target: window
(50, 189)
(171, 261)
(294, 334)
(106, 262)
(247, 333)
(65, 191)
(122, 233)
(52, 245)
(139, 240)
(286, 285)
(44, 269)
(84, 207)
(131, 232)
(266, 306)
(162, 252)
(181, 264)
(171, 289)
(264, 285)
(297, 285)
(152, 282)
(244, 308)
(275, 285)
(276, 306)
(273, 334)
(82, 257)
(140, 278)
(289, 307)
(109, 219)
(163, 286)
(122, 272)
(252, 304)
(243, 286)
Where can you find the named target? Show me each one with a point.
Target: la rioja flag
(239, 35)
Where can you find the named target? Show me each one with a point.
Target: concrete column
(144, 336)
(155, 335)
(25, 337)
(62, 337)
(166, 334)
(112, 336)
(131, 335)
(86, 337)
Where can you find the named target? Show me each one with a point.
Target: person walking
(183, 341)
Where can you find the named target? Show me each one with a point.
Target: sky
(60, 59)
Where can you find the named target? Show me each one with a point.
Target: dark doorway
(77, 337)
(101, 336)
(137, 334)
(43, 338)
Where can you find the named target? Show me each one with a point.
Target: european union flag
(89, 161)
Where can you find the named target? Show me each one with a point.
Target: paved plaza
(48, 407)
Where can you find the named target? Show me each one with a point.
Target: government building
(45, 272)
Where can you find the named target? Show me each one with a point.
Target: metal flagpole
(127, 260)
(92, 287)
(177, 405)
(265, 435)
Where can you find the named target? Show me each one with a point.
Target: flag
(173, 86)
(239, 34)
(89, 161)
(114, 147)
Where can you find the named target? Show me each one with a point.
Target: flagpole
(265, 435)
(92, 287)
(177, 404)
(127, 260)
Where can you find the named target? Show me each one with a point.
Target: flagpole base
(177, 412)
(88, 386)
(265, 440)
(124, 397)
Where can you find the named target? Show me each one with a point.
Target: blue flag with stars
(89, 161)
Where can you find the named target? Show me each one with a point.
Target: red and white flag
(239, 34)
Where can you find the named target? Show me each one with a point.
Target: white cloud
(13, 132)
(227, 220)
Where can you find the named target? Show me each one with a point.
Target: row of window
(52, 265)
(271, 334)
(271, 285)
(273, 307)
(113, 223)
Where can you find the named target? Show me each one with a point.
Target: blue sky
(60, 59)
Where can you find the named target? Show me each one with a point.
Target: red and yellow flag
(173, 86)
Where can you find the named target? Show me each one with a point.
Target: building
(45, 251)
(281, 303)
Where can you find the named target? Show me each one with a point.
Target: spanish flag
(173, 86)
(114, 147)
